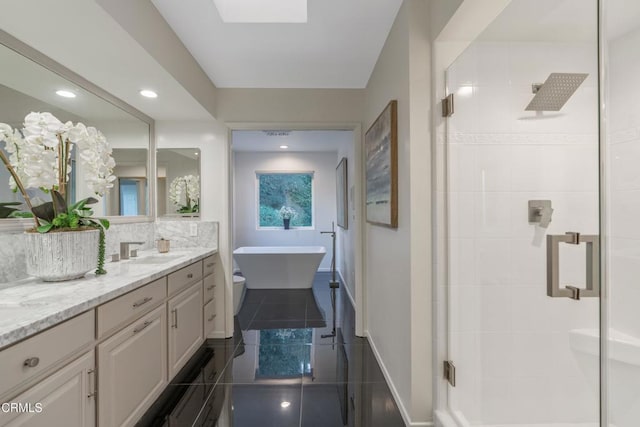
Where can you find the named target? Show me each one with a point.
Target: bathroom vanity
(100, 350)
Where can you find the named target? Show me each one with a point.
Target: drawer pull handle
(143, 301)
(211, 264)
(92, 389)
(141, 327)
(31, 362)
(211, 287)
(174, 314)
(190, 276)
(213, 316)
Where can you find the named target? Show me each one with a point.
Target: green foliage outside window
(285, 189)
(284, 353)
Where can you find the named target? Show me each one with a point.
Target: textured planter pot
(286, 223)
(65, 255)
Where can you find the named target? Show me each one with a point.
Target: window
(294, 190)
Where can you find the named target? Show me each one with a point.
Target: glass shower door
(522, 160)
(620, 40)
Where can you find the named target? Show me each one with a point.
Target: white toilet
(238, 292)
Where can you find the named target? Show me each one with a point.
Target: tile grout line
(301, 401)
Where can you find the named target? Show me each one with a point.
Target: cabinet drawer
(210, 288)
(44, 349)
(131, 305)
(210, 316)
(185, 276)
(209, 264)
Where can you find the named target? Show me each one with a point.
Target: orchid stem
(13, 173)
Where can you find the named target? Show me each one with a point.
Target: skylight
(262, 11)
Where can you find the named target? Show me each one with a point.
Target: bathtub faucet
(333, 283)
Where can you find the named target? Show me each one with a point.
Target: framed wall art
(342, 194)
(381, 168)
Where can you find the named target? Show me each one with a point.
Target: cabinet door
(65, 398)
(132, 367)
(185, 331)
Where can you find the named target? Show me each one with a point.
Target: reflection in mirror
(178, 181)
(26, 86)
(129, 194)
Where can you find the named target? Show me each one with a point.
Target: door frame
(358, 300)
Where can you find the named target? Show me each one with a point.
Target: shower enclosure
(538, 300)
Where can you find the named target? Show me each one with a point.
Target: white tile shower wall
(624, 196)
(509, 341)
(623, 206)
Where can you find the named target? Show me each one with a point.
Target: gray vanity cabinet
(132, 366)
(185, 329)
(67, 397)
(108, 369)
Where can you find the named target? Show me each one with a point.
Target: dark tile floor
(279, 371)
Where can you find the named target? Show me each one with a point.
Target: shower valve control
(540, 212)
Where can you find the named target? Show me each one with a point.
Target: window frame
(258, 173)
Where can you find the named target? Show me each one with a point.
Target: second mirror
(178, 182)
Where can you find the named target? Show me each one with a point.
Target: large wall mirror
(178, 182)
(27, 86)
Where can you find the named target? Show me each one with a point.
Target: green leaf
(45, 228)
(20, 214)
(44, 211)
(84, 213)
(80, 204)
(59, 202)
(104, 222)
(6, 211)
(60, 220)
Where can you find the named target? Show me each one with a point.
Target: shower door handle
(593, 266)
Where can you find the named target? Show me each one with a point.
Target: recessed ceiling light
(284, 147)
(65, 93)
(148, 93)
(285, 404)
(262, 11)
(196, 153)
(277, 132)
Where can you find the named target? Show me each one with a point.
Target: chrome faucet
(124, 248)
(333, 283)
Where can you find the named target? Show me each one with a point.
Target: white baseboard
(394, 391)
(346, 288)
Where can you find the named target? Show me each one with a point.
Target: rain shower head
(555, 92)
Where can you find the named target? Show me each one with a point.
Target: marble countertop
(33, 305)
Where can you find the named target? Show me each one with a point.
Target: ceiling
(337, 47)
(561, 21)
(26, 86)
(307, 140)
(83, 37)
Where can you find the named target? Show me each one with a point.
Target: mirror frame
(41, 59)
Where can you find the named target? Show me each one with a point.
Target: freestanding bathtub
(279, 267)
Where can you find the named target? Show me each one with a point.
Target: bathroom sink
(155, 259)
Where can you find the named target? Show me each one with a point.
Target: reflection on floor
(278, 371)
